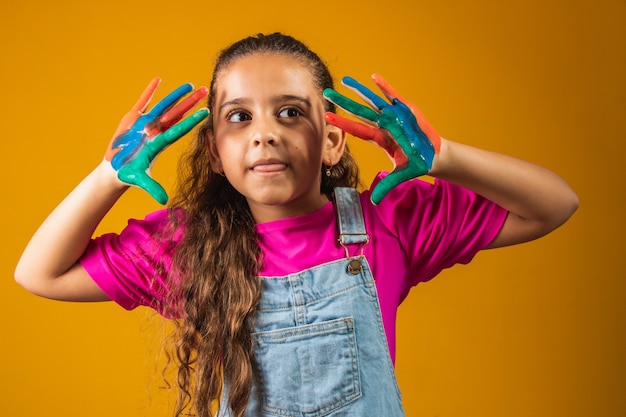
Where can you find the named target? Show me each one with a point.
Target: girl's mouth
(269, 167)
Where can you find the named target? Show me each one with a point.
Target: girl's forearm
(62, 238)
(537, 199)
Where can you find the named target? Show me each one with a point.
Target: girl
(283, 280)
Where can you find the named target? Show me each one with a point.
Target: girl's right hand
(50, 264)
(142, 135)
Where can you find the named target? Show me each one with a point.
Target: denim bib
(320, 348)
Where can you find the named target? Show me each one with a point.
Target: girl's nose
(266, 132)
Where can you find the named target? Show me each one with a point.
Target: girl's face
(269, 135)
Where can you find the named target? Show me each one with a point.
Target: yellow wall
(534, 330)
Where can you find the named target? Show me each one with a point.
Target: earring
(328, 171)
(220, 171)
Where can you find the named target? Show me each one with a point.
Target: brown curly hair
(219, 258)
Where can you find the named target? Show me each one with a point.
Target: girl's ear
(214, 157)
(335, 144)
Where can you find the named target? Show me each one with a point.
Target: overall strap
(350, 217)
(351, 225)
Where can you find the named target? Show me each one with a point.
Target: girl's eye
(238, 117)
(289, 112)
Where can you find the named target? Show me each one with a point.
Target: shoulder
(423, 213)
(422, 195)
(411, 198)
(157, 225)
(155, 220)
(152, 237)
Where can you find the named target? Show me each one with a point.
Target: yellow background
(534, 330)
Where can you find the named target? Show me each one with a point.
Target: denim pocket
(308, 371)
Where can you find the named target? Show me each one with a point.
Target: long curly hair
(218, 258)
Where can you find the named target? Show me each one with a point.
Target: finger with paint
(394, 124)
(142, 135)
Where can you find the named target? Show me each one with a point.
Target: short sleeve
(439, 224)
(131, 267)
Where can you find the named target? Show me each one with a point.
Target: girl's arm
(49, 266)
(537, 199)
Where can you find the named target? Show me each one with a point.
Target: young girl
(282, 279)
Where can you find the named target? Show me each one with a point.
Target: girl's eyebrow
(233, 102)
(288, 97)
(282, 98)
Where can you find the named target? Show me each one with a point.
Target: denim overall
(319, 342)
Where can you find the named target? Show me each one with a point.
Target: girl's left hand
(398, 127)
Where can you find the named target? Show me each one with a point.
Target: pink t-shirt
(416, 231)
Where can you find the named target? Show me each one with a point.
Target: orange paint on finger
(177, 112)
(142, 104)
(424, 124)
(356, 129)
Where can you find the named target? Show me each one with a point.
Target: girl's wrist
(107, 178)
(439, 161)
